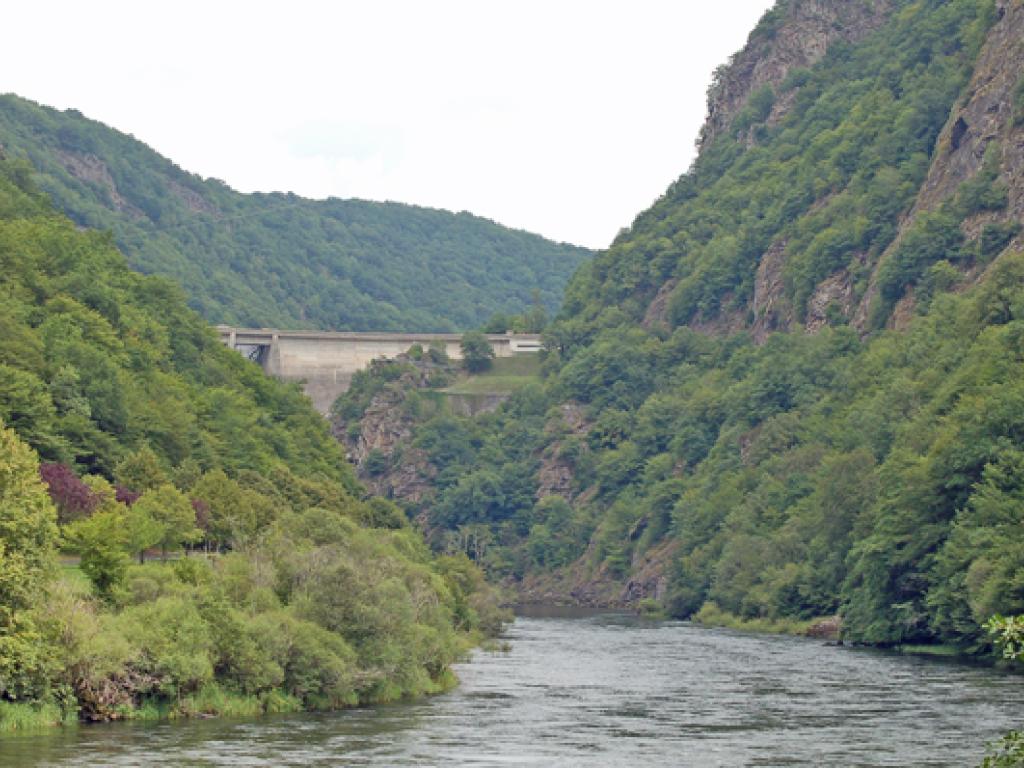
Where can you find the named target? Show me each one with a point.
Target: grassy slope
(506, 375)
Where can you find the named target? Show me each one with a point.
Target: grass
(212, 699)
(506, 375)
(75, 578)
(710, 615)
(15, 716)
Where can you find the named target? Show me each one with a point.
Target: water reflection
(608, 690)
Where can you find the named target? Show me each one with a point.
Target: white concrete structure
(326, 360)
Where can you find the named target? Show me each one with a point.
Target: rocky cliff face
(556, 476)
(987, 115)
(380, 442)
(987, 119)
(793, 35)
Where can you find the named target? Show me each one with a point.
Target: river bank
(212, 701)
(607, 689)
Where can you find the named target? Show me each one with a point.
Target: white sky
(561, 117)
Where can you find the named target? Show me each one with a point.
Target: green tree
(477, 353)
(28, 529)
(28, 533)
(172, 511)
(102, 543)
(141, 530)
(141, 471)
(232, 518)
(1007, 632)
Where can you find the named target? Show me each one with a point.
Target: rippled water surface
(608, 690)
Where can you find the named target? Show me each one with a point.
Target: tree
(74, 499)
(477, 352)
(535, 319)
(101, 542)
(172, 511)
(28, 532)
(141, 530)
(141, 471)
(231, 516)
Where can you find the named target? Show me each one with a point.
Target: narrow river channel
(608, 690)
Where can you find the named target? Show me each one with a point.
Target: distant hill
(279, 259)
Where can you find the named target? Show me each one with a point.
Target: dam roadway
(325, 361)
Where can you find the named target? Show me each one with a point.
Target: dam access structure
(326, 360)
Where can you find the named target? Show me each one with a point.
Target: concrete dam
(326, 360)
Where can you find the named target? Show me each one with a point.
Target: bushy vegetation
(277, 259)
(278, 584)
(808, 476)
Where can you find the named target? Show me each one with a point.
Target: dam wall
(325, 361)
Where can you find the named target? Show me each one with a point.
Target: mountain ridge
(277, 259)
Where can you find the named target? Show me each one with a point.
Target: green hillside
(279, 584)
(793, 388)
(279, 260)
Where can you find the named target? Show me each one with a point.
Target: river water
(608, 690)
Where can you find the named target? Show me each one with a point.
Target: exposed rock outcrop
(649, 574)
(834, 295)
(657, 312)
(795, 34)
(985, 115)
(380, 443)
(555, 476)
(192, 199)
(771, 310)
(92, 170)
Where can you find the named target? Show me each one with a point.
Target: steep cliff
(985, 124)
(795, 34)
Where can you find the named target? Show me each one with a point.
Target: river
(608, 690)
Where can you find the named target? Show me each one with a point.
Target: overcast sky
(563, 118)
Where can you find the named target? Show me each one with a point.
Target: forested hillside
(279, 584)
(278, 260)
(792, 389)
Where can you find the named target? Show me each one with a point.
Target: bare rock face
(657, 312)
(649, 574)
(770, 308)
(92, 170)
(192, 199)
(985, 116)
(835, 293)
(903, 312)
(555, 476)
(385, 434)
(796, 34)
